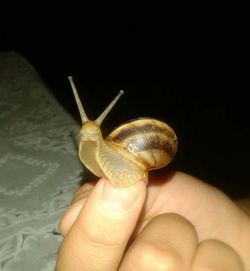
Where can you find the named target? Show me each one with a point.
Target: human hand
(181, 224)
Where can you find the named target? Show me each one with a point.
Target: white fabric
(39, 167)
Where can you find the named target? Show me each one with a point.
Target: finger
(97, 239)
(168, 242)
(74, 209)
(216, 255)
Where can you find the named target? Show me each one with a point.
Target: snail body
(129, 152)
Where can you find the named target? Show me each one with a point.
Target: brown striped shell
(148, 142)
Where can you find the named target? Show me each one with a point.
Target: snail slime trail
(130, 151)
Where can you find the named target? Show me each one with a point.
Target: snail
(130, 151)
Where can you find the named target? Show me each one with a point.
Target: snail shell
(149, 142)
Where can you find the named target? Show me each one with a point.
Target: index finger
(98, 237)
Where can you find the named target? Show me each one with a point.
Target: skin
(177, 223)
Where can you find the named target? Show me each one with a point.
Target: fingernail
(120, 200)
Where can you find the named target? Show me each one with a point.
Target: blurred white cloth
(39, 167)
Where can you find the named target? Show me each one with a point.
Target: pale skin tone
(176, 223)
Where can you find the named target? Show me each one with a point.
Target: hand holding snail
(130, 151)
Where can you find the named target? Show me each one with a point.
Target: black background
(192, 76)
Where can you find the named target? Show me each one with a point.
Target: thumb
(98, 237)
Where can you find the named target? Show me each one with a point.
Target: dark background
(192, 78)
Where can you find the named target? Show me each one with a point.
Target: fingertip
(70, 217)
(104, 190)
(218, 255)
(72, 212)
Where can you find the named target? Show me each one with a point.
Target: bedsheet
(39, 167)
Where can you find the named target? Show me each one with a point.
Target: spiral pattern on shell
(150, 143)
